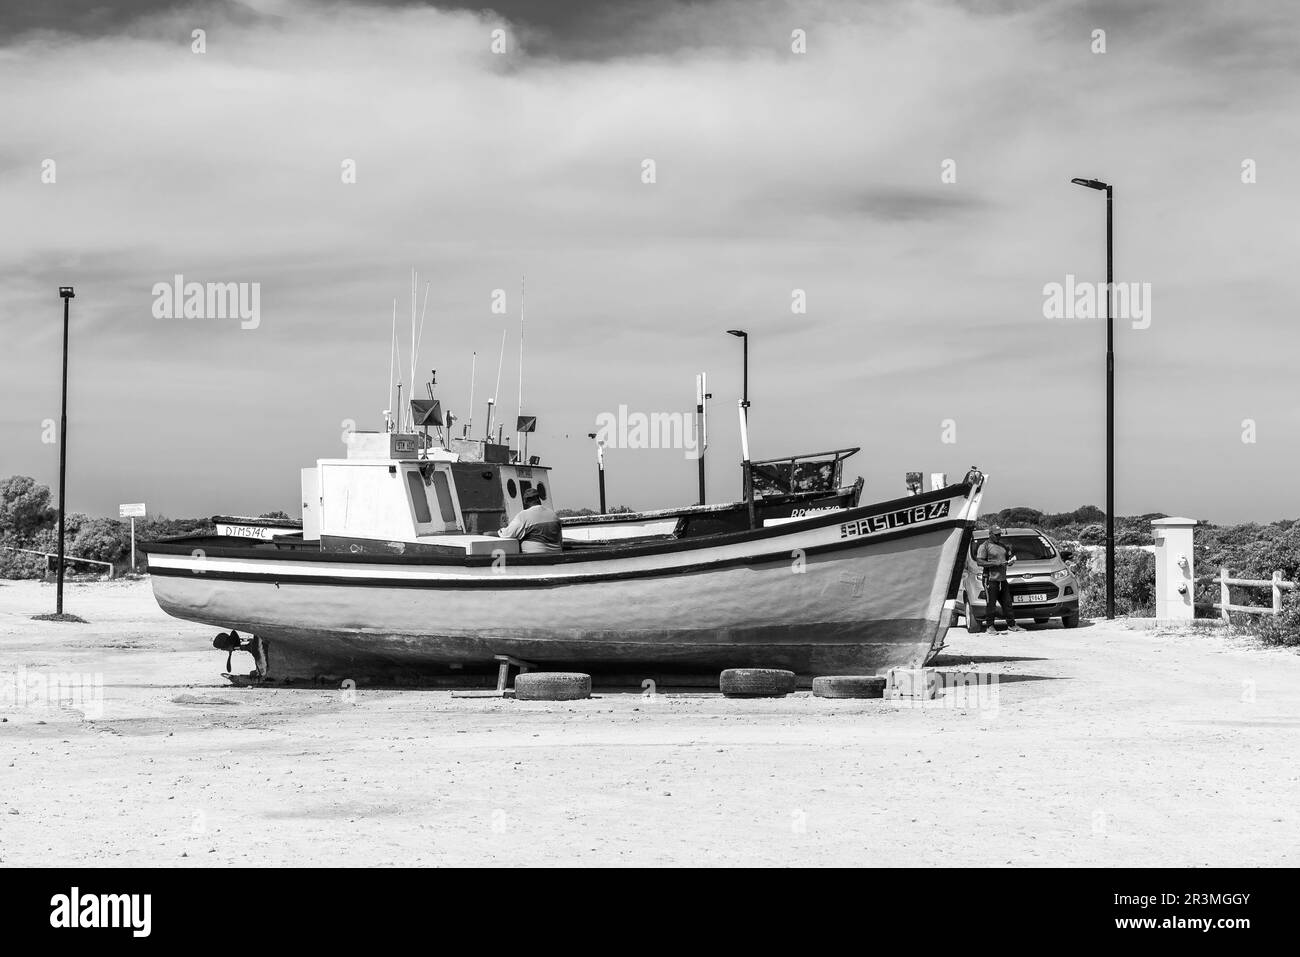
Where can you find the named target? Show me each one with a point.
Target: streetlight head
(739, 333)
(66, 292)
(1090, 183)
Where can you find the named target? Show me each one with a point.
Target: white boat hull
(830, 595)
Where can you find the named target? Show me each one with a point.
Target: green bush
(24, 506)
(1282, 628)
(19, 564)
(1135, 582)
(102, 539)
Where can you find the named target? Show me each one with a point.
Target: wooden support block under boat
(503, 672)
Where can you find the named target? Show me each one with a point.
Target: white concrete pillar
(1175, 568)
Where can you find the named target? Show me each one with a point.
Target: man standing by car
(995, 556)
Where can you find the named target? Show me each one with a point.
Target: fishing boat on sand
(396, 573)
(395, 578)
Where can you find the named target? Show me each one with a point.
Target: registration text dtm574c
(888, 520)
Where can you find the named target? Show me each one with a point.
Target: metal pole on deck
(702, 396)
(600, 468)
(747, 469)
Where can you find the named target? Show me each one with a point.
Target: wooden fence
(52, 560)
(1225, 581)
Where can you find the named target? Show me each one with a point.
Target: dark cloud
(95, 18)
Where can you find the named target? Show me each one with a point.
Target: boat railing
(818, 471)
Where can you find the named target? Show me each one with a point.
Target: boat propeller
(230, 642)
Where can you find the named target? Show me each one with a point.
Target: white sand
(1108, 745)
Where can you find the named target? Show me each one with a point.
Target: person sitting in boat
(995, 556)
(537, 527)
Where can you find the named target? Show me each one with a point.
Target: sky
(908, 169)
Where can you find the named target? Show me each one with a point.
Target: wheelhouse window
(419, 498)
(446, 507)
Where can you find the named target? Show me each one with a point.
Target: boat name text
(888, 520)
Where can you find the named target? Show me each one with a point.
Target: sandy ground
(1107, 745)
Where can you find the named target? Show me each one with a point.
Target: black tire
(756, 682)
(1070, 621)
(973, 624)
(849, 686)
(552, 686)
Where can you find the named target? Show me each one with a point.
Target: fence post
(1225, 598)
(1277, 593)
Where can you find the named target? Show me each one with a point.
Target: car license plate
(1028, 599)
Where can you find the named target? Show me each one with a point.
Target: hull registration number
(888, 520)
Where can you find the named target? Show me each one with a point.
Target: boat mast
(392, 367)
(519, 409)
(419, 340)
(400, 409)
(473, 368)
(501, 361)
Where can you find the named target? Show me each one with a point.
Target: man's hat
(532, 495)
(994, 530)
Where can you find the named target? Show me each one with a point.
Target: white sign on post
(132, 510)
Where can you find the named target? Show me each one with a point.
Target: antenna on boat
(473, 368)
(497, 391)
(519, 409)
(392, 366)
(399, 405)
(419, 339)
(433, 381)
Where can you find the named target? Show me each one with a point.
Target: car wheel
(1070, 621)
(973, 624)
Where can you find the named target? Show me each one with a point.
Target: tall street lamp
(66, 293)
(600, 467)
(1110, 394)
(744, 427)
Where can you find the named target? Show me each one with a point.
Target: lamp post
(65, 293)
(1110, 393)
(600, 467)
(744, 427)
